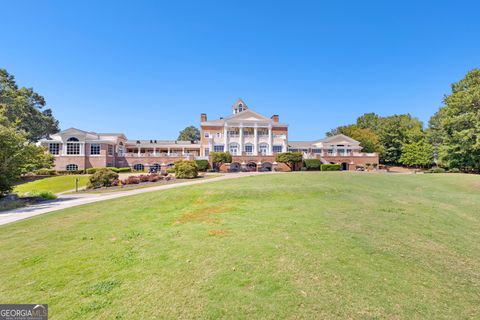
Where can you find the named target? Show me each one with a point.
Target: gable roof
(338, 138)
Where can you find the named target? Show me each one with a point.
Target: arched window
(233, 148)
(73, 146)
(263, 148)
(72, 167)
(155, 167)
(138, 167)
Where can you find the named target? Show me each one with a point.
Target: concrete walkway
(73, 200)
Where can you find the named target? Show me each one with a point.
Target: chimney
(203, 117)
(275, 118)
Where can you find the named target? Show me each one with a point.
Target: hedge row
(316, 164)
(312, 164)
(116, 170)
(330, 167)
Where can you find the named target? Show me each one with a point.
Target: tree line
(451, 139)
(24, 119)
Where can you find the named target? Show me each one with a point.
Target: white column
(64, 149)
(154, 151)
(270, 140)
(241, 139)
(82, 149)
(183, 151)
(168, 151)
(138, 153)
(255, 140)
(225, 138)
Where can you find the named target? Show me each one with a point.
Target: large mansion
(251, 138)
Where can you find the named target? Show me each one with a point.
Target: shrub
(330, 167)
(168, 178)
(186, 169)
(115, 183)
(303, 169)
(143, 178)
(45, 172)
(436, 170)
(202, 165)
(132, 180)
(102, 178)
(454, 170)
(45, 195)
(171, 170)
(312, 164)
(71, 171)
(153, 177)
(126, 169)
(93, 170)
(289, 158)
(211, 170)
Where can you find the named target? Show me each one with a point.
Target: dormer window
(240, 107)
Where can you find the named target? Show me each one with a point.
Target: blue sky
(149, 68)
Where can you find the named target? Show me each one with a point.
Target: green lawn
(55, 184)
(303, 245)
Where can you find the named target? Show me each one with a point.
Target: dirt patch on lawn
(218, 232)
(203, 215)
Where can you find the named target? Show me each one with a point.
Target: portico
(245, 133)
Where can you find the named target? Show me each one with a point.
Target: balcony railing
(157, 154)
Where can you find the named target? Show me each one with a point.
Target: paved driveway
(73, 200)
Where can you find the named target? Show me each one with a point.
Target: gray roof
(301, 144)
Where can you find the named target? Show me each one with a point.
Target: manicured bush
(45, 195)
(454, 170)
(330, 167)
(143, 178)
(171, 170)
(133, 180)
(303, 169)
(63, 172)
(211, 170)
(93, 170)
(202, 165)
(45, 172)
(102, 178)
(154, 177)
(123, 170)
(186, 169)
(436, 170)
(312, 164)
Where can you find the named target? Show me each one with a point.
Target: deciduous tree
(457, 125)
(190, 133)
(24, 109)
(289, 158)
(18, 156)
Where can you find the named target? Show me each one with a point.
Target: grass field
(55, 184)
(303, 245)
